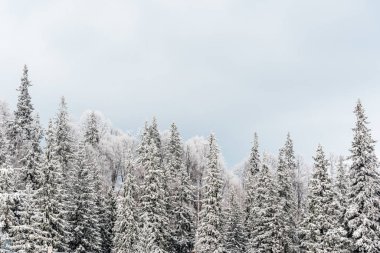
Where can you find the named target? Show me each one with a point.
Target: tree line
(96, 191)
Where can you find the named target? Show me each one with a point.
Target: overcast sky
(228, 66)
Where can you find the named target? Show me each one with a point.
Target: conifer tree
(26, 234)
(142, 151)
(65, 155)
(154, 236)
(234, 230)
(50, 195)
(180, 196)
(103, 205)
(341, 194)
(126, 226)
(24, 136)
(363, 211)
(91, 134)
(155, 135)
(287, 205)
(209, 236)
(65, 140)
(320, 228)
(20, 128)
(86, 237)
(104, 202)
(250, 178)
(143, 145)
(263, 212)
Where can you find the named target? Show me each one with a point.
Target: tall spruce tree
(180, 196)
(65, 140)
(363, 211)
(155, 135)
(209, 236)
(20, 130)
(341, 193)
(263, 212)
(154, 236)
(24, 136)
(234, 236)
(127, 222)
(250, 178)
(105, 201)
(321, 225)
(91, 133)
(287, 204)
(86, 236)
(65, 155)
(50, 194)
(102, 206)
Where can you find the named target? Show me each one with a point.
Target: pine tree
(209, 237)
(103, 206)
(155, 135)
(287, 204)
(142, 151)
(27, 234)
(91, 134)
(20, 128)
(126, 226)
(154, 236)
(65, 140)
(86, 237)
(65, 155)
(234, 230)
(180, 196)
(264, 214)
(341, 194)
(50, 195)
(105, 202)
(321, 228)
(24, 138)
(250, 178)
(363, 211)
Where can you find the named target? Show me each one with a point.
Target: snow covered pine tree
(249, 184)
(209, 237)
(363, 211)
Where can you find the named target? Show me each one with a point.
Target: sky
(231, 67)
